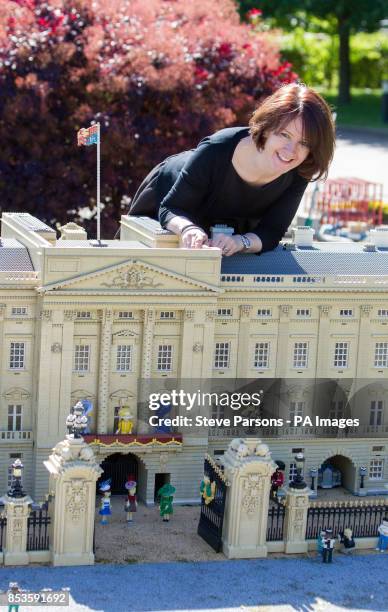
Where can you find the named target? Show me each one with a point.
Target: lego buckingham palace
(86, 321)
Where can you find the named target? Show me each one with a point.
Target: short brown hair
(285, 105)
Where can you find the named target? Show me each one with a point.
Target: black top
(203, 186)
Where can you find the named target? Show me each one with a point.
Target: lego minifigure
(105, 510)
(328, 546)
(13, 589)
(207, 489)
(320, 541)
(131, 500)
(165, 495)
(277, 481)
(346, 538)
(383, 535)
(125, 420)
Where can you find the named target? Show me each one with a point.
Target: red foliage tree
(158, 75)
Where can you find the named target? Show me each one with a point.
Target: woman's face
(286, 149)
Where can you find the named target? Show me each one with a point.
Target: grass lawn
(364, 109)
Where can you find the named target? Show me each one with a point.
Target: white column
(248, 468)
(104, 372)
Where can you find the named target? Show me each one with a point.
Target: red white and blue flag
(88, 136)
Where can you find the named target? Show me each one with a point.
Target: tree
(350, 16)
(158, 75)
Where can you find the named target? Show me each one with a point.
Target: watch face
(246, 242)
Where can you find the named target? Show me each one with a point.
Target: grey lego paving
(356, 583)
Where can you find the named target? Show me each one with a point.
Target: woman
(252, 178)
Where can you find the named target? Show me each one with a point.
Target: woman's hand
(229, 245)
(194, 238)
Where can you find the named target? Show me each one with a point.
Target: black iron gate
(212, 514)
(118, 467)
(38, 529)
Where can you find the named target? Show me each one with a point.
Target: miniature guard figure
(131, 500)
(125, 420)
(13, 589)
(207, 489)
(105, 510)
(383, 535)
(277, 481)
(346, 538)
(328, 546)
(165, 494)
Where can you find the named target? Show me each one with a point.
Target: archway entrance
(118, 467)
(343, 473)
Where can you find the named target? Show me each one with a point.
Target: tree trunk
(344, 61)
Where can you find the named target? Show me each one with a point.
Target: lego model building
(82, 322)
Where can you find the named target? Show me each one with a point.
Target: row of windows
(222, 356)
(300, 359)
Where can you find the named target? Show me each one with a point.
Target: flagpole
(98, 185)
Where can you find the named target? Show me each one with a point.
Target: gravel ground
(148, 538)
(281, 585)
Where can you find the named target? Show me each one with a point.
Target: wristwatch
(246, 242)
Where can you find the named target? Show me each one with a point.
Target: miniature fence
(38, 529)
(3, 525)
(275, 524)
(363, 518)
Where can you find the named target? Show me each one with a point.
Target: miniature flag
(88, 136)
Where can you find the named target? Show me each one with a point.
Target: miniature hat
(130, 484)
(105, 485)
(166, 489)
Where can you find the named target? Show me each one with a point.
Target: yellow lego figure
(125, 420)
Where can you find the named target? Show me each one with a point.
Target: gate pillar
(72, 496)
(17, 511)
(248, 468)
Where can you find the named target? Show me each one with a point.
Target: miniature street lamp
(298, 482)
(16, 483)
(76, 421)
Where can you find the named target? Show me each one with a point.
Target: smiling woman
(251, 178)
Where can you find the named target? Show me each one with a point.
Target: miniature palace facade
(83, 321)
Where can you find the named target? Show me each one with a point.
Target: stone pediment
(131, 276)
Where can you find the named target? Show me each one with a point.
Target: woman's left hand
(229, 245)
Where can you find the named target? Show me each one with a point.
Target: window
(341, 354)
(17, 356)
(81, 358)
(15, 417)
(346, 312)
(222, 355)
(303, 312)
(224, 312)
(292, 472)
(336, 410)
(381, 355)
(376, 469)
(84, 314)
(18, 311)
(261, 360)
(12, 458)
(378, 449)
(382, 312)
(296, 409)
(125, 314)
(124, 358)
(376, 413)
(164, 358)
(167, 314)
(264, 312)
(300, 355)
(218, 412)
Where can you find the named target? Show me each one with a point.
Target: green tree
(349, 15)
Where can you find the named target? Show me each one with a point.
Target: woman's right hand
(194, 238)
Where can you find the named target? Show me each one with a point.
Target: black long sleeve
(275, 221)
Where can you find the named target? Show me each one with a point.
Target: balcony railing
(363, 431)
(16, 435)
